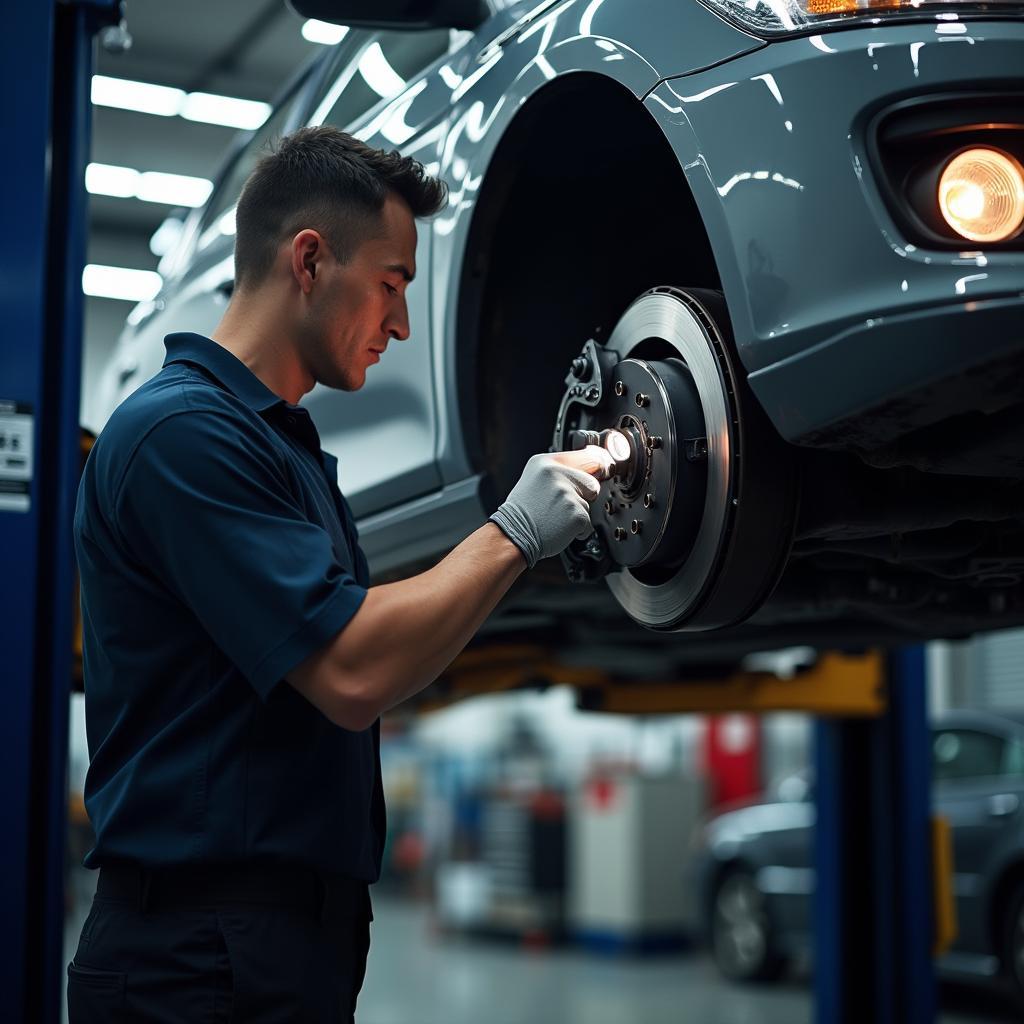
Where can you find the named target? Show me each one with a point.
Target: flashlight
(615, 442)
(618, 446)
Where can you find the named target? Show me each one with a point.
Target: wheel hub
(665, 527)
(652, 506)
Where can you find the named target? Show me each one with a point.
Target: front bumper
(836, 313)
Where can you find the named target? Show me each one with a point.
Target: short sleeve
(206, 506)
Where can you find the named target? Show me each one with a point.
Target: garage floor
(416, 976)
(460, 981)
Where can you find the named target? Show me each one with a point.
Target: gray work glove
(550, 505)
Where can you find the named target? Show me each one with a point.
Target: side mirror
(404, 14)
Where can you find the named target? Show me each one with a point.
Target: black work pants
(162, 958)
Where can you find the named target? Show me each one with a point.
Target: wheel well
(1009, 880)
(584, 206)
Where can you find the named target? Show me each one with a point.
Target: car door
(392, 94)
(979, 789)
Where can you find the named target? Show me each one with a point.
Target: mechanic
(236, 659)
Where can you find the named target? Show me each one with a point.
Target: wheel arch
(584, 205)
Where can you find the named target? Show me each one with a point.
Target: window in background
(965, 754)
(1013, 759)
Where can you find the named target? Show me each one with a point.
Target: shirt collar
(185, 347)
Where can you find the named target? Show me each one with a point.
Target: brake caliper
(648, 415)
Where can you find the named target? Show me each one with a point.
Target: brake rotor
(694, 530)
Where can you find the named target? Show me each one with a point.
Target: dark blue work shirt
(216, 553)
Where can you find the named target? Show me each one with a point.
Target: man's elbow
(344, 697)
(354, 707)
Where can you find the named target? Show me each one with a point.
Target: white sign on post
(16, 433)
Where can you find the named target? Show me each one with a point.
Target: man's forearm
(406, 633)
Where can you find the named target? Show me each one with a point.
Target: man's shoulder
(178, 401)
(178, 388)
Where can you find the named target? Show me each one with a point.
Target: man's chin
(349, 381)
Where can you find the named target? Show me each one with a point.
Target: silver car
(754, 865)
(771, 251)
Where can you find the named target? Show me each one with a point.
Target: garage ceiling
(229, 47)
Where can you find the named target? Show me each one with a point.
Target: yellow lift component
(503, 667)
(942, 879)
(837, 685)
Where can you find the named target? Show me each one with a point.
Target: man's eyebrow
(400, 268)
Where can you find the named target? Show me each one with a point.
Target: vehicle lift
(45, 75)
(872, 752)
(883, 902)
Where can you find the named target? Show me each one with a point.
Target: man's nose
(397, 324)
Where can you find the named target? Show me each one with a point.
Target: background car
(754, 865)
(717, 229)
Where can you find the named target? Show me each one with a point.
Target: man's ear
(307, 251)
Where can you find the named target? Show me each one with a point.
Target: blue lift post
(45, 75)
(873, 908)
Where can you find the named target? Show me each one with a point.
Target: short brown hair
(324, 179)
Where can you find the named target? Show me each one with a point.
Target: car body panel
(796, 318)
(594, 36)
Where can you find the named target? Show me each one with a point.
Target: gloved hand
(550, 505)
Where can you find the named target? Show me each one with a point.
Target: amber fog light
(981, 195)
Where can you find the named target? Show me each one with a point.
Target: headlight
(981, 195)
(778, 17)
(951, 168)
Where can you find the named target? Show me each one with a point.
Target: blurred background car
(753, 865)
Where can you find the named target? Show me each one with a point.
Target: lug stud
(635, 526)
(620, 533)
(609, 507)
(642, 400)
(592, 394)
(653, 442)
(620, 388)
(648, 500)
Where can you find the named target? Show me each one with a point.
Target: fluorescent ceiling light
(225, 110)
(323, 32)
(150, 186)
(108, 180)
(173, 189)
(120, 283)
(378, 74)
(164, 101)
(141, 96)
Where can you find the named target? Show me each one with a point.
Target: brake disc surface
(665, 527)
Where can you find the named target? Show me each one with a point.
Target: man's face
(354, 309)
